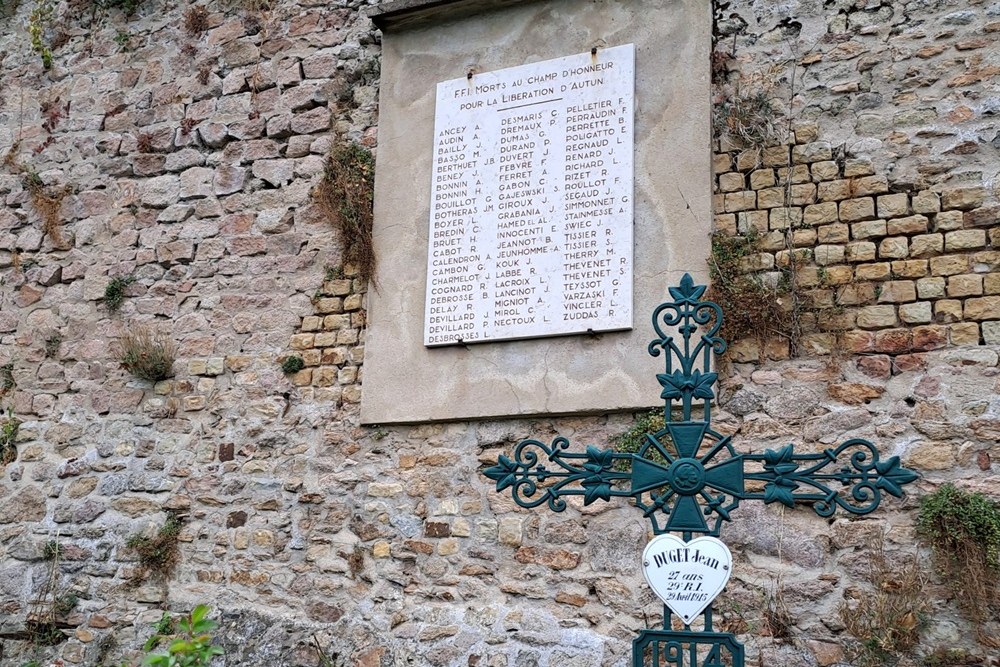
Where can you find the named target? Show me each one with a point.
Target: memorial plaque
(687, 576)
(531, 201)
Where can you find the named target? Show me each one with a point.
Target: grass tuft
(345, 195)
(146, 355)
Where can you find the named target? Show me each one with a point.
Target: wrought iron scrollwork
(862, 477)
(685, 315)
(694, 484)
(528, 476)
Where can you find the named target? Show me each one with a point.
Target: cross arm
(538, 474)
(851, 476)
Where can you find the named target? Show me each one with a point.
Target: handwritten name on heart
(687, 576)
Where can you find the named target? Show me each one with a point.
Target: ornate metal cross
(688, 478)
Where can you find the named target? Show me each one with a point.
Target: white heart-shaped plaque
(687, 576)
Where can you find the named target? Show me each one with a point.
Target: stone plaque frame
(406, 382)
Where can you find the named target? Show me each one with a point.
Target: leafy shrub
(963, 530)
(633, 440)
(192, 646)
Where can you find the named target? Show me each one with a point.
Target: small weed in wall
(195, 20)
(159, 554)
(47, 201)
(39, 23)
(963, 531)
(146, 355)
(162, 629)
(747, 116)
(9, 428)
(754, 310)
(51, 550)
(114, 292)
(7, 378)
(632, 440)
(345, 195)
(52, 343)
(292, 364)
(886, 620)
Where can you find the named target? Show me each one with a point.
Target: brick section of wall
(883, 199)
(877, 271)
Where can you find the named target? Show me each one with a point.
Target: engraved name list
(531, 201)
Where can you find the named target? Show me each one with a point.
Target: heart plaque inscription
(687, 576)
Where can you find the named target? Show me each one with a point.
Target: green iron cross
(688, 478)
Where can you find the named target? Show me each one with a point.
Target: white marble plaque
(531, 201)
(687, 576)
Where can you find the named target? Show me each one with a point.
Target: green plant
(30, 178)
(753, 309)
(7, 378)
(632, 440)
(65, 603)
(886, 620)
(51, 550)
(333, 273)
(39, 22)
(823, 276)
(163, 628)
(157, 554)
(9, 428)
(345, 195)
(963, 531)
(192, 646)
(146, 355)
(52, 343)
(114, 292)
(123, 38)
(292, 364)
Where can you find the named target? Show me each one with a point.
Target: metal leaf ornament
(697, 384)
(597, 486)
(780, 463)
(892, 476)
(504, 473)
(687, 291)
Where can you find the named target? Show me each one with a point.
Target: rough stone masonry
(184, 155)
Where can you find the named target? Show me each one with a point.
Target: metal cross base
(665, 648)
(688, 478)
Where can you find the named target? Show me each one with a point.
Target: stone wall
(186, 159)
